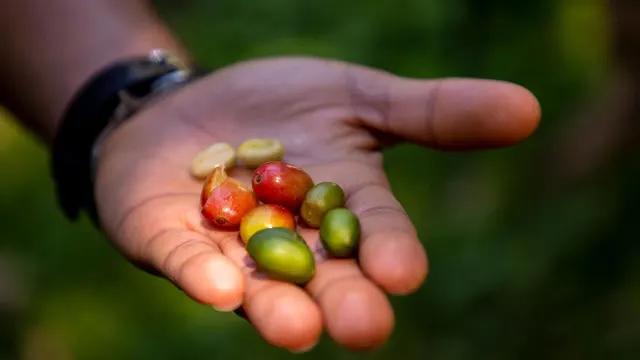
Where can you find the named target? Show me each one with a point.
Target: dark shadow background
(534, 249)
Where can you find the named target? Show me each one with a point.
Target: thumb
(444, 113)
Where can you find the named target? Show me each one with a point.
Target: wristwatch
(104, 102)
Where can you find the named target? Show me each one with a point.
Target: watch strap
(89, 113)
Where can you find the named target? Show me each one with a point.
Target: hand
(332, 118)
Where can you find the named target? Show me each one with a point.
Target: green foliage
(521, 267)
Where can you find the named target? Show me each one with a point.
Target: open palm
(332, 118)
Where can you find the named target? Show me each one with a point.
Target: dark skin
(333, 119)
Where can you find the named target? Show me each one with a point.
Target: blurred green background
(534, 250)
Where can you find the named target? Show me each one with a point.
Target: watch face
(162, 56)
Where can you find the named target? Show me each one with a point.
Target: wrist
(107, 99)
(56, 46)
(80, 73)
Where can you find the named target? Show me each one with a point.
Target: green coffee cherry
(282, 254)
(320, 199)
(340, 232)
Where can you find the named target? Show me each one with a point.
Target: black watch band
(92, 110)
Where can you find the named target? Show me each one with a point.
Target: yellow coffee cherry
(264, 217)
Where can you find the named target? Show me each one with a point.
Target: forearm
(50, 48)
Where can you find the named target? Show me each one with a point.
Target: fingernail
(303, 349)
(225, 308)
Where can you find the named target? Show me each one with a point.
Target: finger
(445, 113)
(156, 233)
(356, 313)
(197, 266)
(390, 253)
(282, 313)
